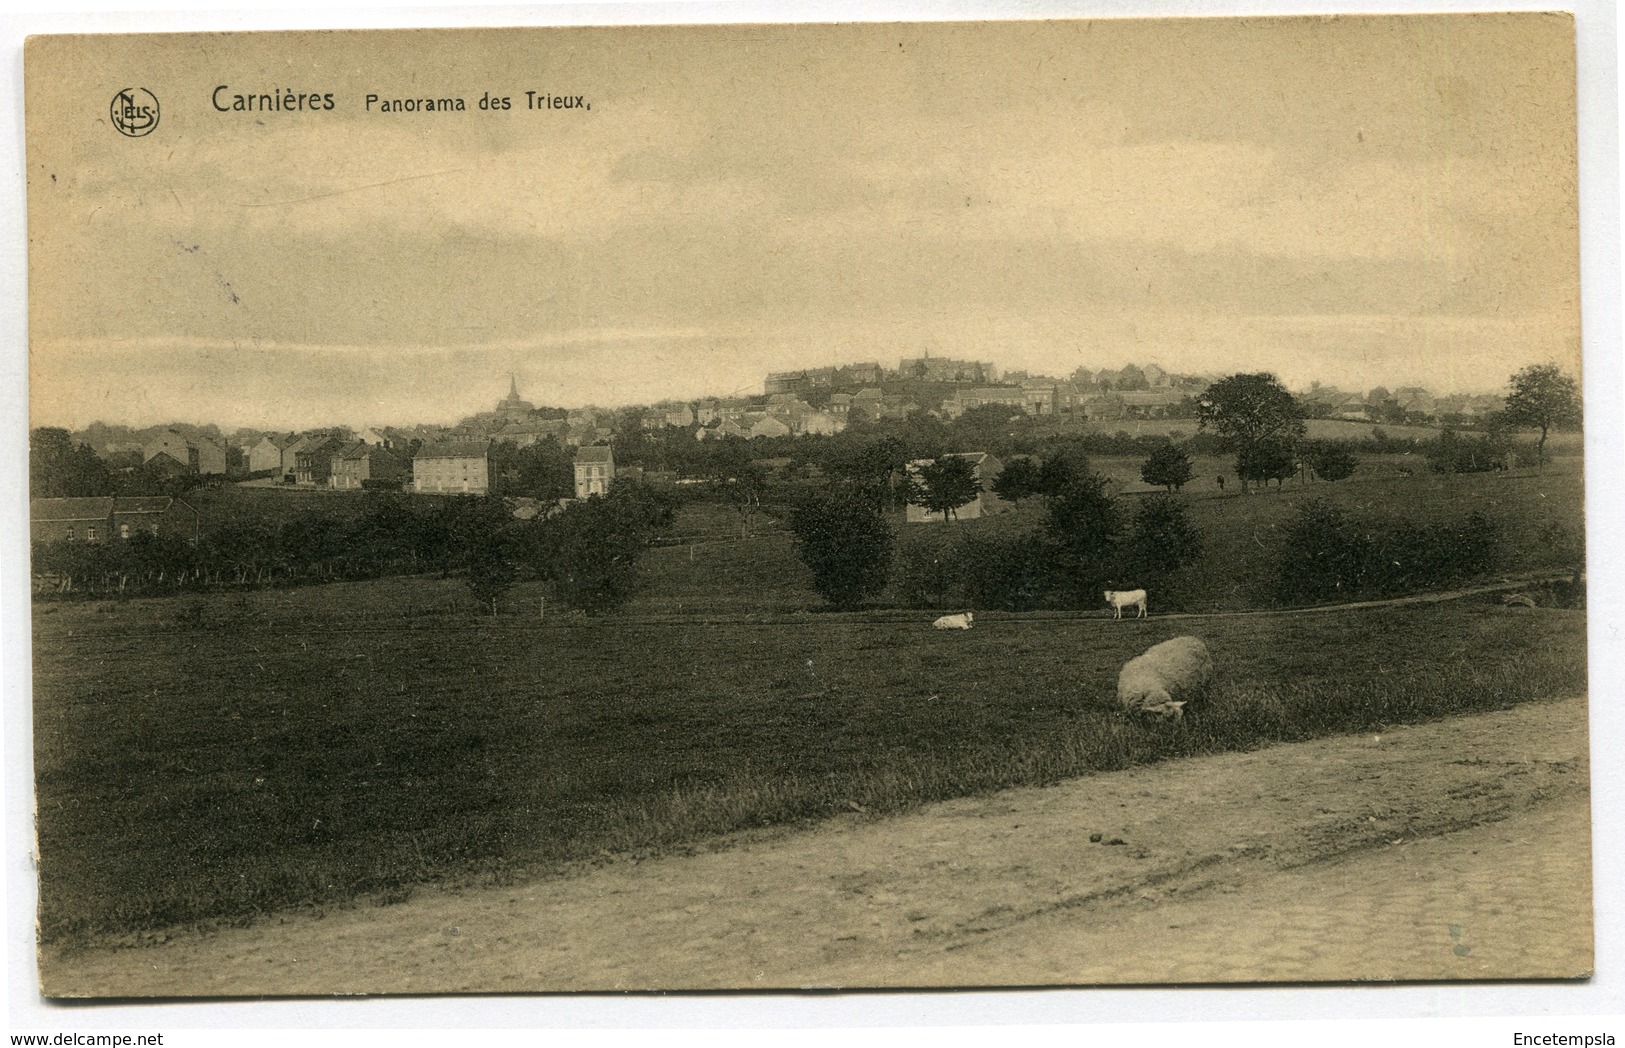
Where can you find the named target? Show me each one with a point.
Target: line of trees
(1263, 424)
(1086, 544)
(587, 555)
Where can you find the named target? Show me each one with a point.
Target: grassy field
(723, 575)
(211, 758)
(216, 773)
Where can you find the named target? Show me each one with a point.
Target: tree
(1387, 410)
(846, 543)
(1161, 542)
(743, 491)
(867, 464)
(490, 572)
(987, 427)
(588, 555)
(1266, 460)
(1066, 465)
(1542, 397)
(1331, 462)
(543, 470)
(1168, 467)
(1084, 524)
(944, 485)
(57, 467)
(1132, 378)
(1257, 415)
(1021, 478)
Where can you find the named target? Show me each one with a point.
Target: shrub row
(1329, 555)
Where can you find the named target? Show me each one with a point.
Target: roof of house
(454, 449)
(330, 444)
(159, 461)
(145, 504)
(974, 457)
(1150, 397)
(539, 426)
(595, 453)
(70, 509)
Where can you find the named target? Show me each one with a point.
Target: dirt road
(1458, 849)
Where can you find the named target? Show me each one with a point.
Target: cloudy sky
(1359, 201)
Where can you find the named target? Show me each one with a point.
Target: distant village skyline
(482, 393)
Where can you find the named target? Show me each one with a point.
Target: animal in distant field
(1405, 471)
(1120, 599)
(955, 622)
(1160, 682)
(1220, 480)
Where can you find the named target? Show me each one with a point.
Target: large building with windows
(452, 467)
(595, 470)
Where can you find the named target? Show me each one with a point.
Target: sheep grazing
(1167, 676)
(955, 622)
(1120, 599)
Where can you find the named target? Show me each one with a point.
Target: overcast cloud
(1360, 201)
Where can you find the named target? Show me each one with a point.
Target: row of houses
(1130, 377)
(106, 518)
(1040, 398)
(174, 453)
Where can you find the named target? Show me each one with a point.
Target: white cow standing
(955, 622)
(1120, 599)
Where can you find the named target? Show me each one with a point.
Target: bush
(491, 571)
(1083, 526)
(847, 545)
(1453, 453)
(1162, 542)
(1405, 557)
(1009, 572)
(1168, 467)
(1266, 460)
(1331, 462)
(1324, 555)
(928, 570)
(588, 555)
(1327, 556)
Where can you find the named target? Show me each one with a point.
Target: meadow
(213, 758)
(217, 774)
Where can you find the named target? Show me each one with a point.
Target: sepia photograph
(800, 507)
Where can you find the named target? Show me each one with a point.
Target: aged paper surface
(286, 709)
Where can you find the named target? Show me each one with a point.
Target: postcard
(793, 507)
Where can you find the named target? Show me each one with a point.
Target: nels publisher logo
(134, 112)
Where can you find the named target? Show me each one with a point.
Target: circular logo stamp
(134, 112)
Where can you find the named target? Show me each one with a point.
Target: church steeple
(511, 407)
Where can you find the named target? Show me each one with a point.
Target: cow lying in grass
(1120, 599)
(955, 622)
(1168, 675)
